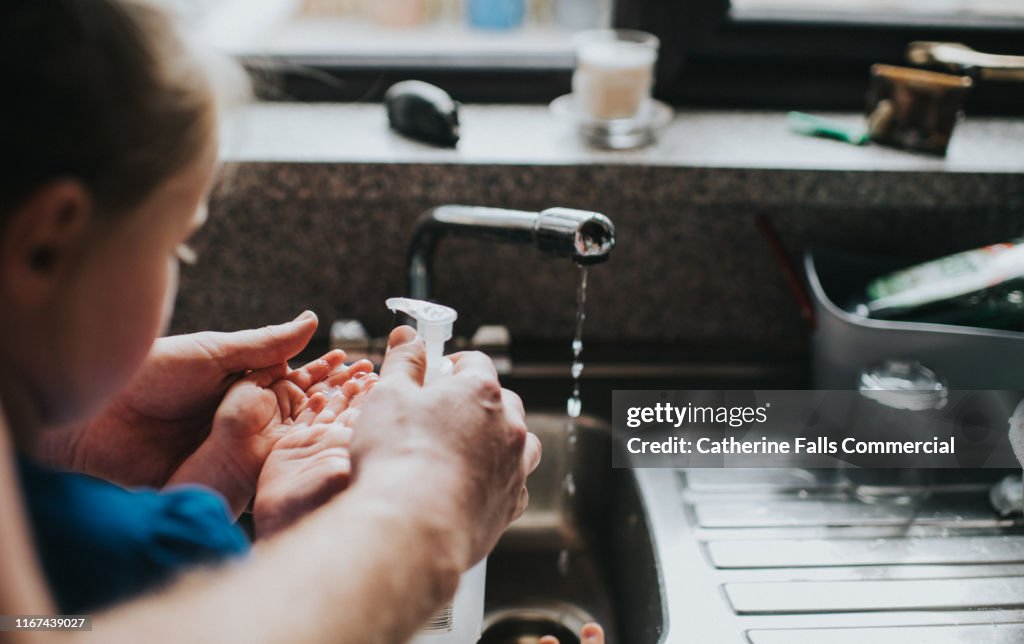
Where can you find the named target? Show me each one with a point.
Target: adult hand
(148, 430)
(455, 451)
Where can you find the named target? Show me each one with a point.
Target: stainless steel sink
(579, 557)
(793, 556)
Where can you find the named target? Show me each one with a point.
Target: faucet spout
(586, 237)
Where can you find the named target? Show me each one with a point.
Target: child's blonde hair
(105, 91)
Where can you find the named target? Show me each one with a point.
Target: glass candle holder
(614, 73)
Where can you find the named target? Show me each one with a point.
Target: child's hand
(259, 409)
(591, 633)
(256, 412)
(309, 464)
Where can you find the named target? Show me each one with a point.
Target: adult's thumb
(258, 348)
(406, 356)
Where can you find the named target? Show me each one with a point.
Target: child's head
(109, 135)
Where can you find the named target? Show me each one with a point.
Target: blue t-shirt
(99, 543)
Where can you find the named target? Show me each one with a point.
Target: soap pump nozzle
(433, 324)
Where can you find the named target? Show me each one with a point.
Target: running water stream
(574, 405)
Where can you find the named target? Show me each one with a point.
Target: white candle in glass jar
(614, 73)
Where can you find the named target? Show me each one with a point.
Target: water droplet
(563, 563)
(573, 407)
(577, 347)
(577, 369)
(569, 485)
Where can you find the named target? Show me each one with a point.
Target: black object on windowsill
(423, 112)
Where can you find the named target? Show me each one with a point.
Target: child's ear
(42, 237)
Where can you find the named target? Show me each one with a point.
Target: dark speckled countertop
(316, 203)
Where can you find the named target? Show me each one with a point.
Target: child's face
(123, 293)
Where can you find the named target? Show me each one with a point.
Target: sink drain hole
(527, 625)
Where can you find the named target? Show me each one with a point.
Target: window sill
(430, 44)
(530, 135)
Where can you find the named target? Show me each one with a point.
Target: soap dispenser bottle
(460, 621)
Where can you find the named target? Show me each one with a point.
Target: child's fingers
(592, 633)
(317, 370)
(361, 366)
(361, 396)
(290, 398)
(342, 374)
(335, 379)
(355, 370)
(358, 383)
(314, 405)
(336, 404)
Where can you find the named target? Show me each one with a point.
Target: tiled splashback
(690, 266)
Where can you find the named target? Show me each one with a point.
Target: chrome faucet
(586, 237)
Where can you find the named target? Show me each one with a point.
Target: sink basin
(576, 557)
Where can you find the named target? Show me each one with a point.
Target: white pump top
(433, 324)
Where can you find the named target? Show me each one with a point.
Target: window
(884, 11)
(814, 54)
(788, 54)
(354, 49)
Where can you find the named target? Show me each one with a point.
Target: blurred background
(809, 54)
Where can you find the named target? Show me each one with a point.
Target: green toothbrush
(817, 126)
